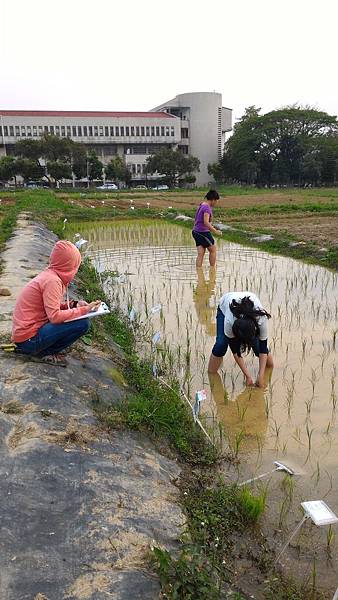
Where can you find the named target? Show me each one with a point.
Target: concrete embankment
(79, 505)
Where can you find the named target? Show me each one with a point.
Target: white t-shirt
(229, 317)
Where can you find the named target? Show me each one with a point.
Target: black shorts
(204, 238)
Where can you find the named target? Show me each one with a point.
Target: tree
(172, 164)
(94, 166)
(59, 170)
(117, 170)
(79, 160)
(7, 168)
(55, 148)
(28, 169)
(279, 147)
(32, 149)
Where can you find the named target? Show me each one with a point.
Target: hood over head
(65, 260)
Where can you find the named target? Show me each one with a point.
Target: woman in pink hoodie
(39, 328)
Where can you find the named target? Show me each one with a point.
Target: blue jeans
(223, 341)
(51, 339)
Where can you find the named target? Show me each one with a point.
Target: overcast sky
(135, 54)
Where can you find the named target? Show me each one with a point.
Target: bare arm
(206, 221)
(239, 360)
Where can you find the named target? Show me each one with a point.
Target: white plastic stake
(291, 537)
(155, 338)
(155, 309)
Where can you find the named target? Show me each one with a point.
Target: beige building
(193, 123)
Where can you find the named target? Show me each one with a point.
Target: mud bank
(80, 505)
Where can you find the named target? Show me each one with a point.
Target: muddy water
(294, 418)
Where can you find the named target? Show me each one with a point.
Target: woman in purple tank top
(202, 229)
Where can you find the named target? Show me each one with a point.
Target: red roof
(83, 113)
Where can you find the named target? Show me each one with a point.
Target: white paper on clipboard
(102, 310)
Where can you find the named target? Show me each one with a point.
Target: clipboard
(102, 310)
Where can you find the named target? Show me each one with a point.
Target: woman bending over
(242, 324)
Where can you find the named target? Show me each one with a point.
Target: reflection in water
(246, 413)
(203, 291)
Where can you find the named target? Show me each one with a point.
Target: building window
(74, 130)
(139, 149)
(57, 130)
(127, 131)
(172, 131)
(184, 133)
(183, 149)
(11, 130)
(111, 131)
(46, 128)
(106, 131)
(142, 131)
(85, 131)
(90, 129)
(79, 130)
(29, 130)
(23, 131)
(167, 131)
(162, 131)
(40, 130)
(132, 131)
(35, 130)
(69, 130)
(117, 131)
(6, 130)
(63, 131)
(153, 131)
(122, 130)
(147, 131)
(137, 131)
(17, 131)
(96, 131)
(133, 169)
(157, 131)
(101, 130)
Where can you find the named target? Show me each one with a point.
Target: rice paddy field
(149, 270)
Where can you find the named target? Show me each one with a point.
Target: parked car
(140, 187)
(33, 185)
(107, 186)
(161, 187)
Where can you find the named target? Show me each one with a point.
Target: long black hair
(245, 327)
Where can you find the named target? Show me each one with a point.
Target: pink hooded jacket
(39, 302)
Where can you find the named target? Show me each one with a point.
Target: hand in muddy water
(260, 383)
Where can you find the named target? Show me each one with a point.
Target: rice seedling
(329, 541)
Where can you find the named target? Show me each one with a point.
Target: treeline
(52, 158)
(291, 146)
